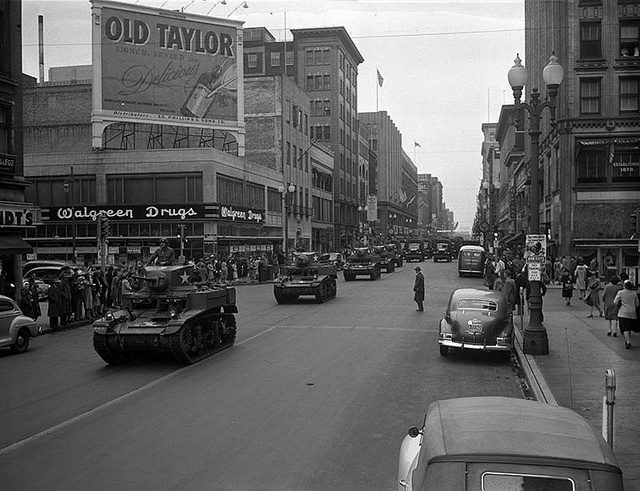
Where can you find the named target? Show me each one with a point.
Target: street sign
(535, 253)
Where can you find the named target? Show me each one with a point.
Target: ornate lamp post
(286, 191)
(68, 188)
(536, 341)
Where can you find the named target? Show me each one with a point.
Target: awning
(516, 239)
(12, 244)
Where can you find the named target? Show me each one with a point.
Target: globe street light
(536, 341)
(286, 191)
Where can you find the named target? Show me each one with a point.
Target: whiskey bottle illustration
(201, 96)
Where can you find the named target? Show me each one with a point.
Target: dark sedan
(477, 320)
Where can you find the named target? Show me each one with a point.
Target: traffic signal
(182, 233)
(104, 227)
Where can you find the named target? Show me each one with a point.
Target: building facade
(590, 161)
(17, 215)
(327, 63)
(150, 181)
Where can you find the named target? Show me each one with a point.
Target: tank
(363, 261)
(306, 275)
(387, 258)
(169, 314)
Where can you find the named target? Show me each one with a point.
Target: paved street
(312, 396)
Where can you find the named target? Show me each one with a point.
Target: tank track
(202, 337)
(110, 354)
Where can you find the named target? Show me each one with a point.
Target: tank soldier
(164, 255)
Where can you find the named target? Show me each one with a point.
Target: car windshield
(524, 482)
(477, 304)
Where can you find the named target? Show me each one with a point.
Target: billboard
(165, 67)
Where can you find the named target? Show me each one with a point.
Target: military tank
(305, 275)
(363, 261)
(169, 314)
(387, 258)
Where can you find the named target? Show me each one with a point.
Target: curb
(536, 382)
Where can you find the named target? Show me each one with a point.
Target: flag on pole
(380, 79)
(416, 144)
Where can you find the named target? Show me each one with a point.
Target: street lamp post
(536, 341)
(68, 188)
(286, 191)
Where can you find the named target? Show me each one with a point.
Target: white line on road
(26, 441)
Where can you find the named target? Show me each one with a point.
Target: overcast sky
(444, 65)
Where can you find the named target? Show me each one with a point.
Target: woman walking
(627, 302)
(567, 287)
(610, 308)
(580, 275)
(593, 298)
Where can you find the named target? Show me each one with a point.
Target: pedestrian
(67, 277)
(35, 298)
(610, 308)
(521, 285)
(26, 300)
(88, 296)
(510, 290)
(418, 288)
(55, 304)
(627, 302)
(557, 271)
(566, 280)
(593, 298)
(580, 274)
(489, 272)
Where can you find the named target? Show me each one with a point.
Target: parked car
(37, 263)
(476, 320)
(503, 443)
(471, 260)
(15, 328)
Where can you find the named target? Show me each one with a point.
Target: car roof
(472, 248)
(505, 429)
(461, 293)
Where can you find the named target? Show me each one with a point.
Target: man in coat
(418, 288)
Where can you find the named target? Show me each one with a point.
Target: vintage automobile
(477, 320)
(471, 260)
(415, 249)
(15, 328)
(442, 250)
(363, 261)
(503, 443)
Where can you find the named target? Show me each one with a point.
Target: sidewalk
(573, 374)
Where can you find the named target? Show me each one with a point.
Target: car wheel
(444, 350)
(22, 342)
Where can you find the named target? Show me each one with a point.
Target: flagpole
(377, 84)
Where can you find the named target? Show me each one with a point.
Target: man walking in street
(418, 288)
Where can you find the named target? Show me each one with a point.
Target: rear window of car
(525, 482)
(477, 304)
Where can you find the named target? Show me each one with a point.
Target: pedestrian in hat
(418, 288)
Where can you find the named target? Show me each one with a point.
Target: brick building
(16, 214)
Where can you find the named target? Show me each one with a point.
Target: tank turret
(170, 313)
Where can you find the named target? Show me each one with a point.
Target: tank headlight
(173, 313)
(109, 316)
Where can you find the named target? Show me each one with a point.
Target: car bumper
(503, 344)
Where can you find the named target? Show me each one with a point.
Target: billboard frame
(102, 117)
